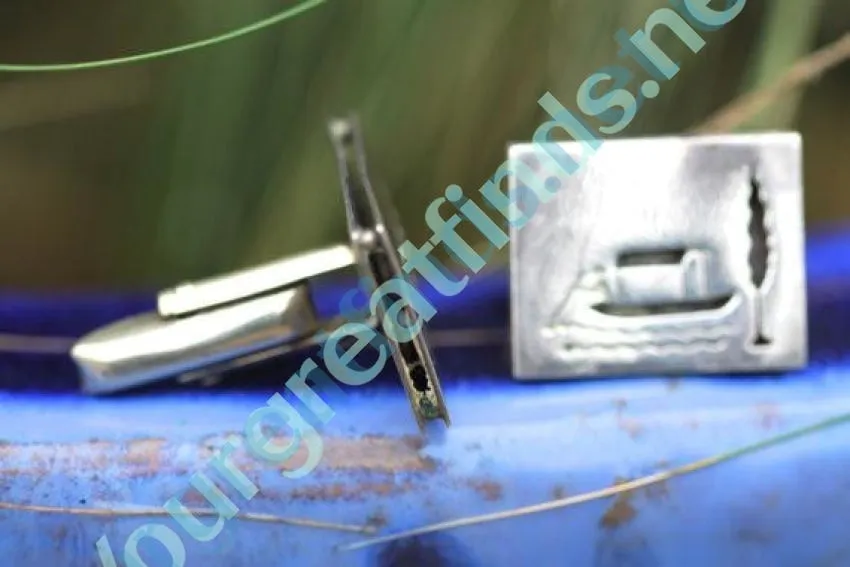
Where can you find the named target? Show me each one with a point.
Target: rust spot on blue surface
(350, 491)
(489, 489)
(145, 457)
(621, 511)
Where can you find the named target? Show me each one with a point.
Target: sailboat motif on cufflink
(666, 255)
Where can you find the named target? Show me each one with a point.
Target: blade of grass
(803, 72)
(621, 488)
(144, 512)
(787, 35)
(195, 45)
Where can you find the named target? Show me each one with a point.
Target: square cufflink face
(659, 256)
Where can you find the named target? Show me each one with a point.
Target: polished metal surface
(376, 235)
(152, 346)
(204, 328)
(193, 297)
(662, 255)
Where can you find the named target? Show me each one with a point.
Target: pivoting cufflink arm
(206, 327)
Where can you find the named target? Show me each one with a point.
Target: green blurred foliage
(217, 159)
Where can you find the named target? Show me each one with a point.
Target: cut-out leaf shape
(759, 253)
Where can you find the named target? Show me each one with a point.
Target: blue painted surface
(510, 445)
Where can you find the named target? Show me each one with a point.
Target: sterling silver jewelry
(668, 255)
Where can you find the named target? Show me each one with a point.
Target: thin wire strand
(147, 56)
(11, 343)
(642, 482)
(29, 344)
(198, 512)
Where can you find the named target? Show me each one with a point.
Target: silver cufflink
(207, 327)
(667, 255)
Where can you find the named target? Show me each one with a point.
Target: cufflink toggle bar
(228, 321)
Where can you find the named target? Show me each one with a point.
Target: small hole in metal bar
(419, 378)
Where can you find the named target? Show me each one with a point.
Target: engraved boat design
(647, 298)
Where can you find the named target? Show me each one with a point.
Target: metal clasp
(659, 255)
(228, 321)
(206, 326)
